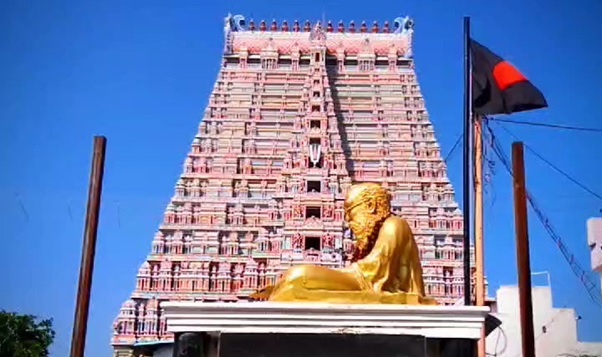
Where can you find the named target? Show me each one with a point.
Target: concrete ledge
(449, 322)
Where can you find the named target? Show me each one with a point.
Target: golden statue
(385, 266)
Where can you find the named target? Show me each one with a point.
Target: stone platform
(297, 329)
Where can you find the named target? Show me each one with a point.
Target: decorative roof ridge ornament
(269, 49)
(317, 33)
(228, 34)
(401, 26)
(366, 47)
(405, 26)
(234, 23)
(238, 23)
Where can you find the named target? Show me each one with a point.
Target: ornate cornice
(285, 40)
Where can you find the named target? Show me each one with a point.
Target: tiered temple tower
(297, 114)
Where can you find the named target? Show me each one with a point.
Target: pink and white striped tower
(298, 112)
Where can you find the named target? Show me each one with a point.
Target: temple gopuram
(297, 114)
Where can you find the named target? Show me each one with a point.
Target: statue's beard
(365, 236)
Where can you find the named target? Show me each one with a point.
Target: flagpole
(478, 224)
(466, 161)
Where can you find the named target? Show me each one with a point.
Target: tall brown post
(478, 227)
(522, 251)
(78, 339)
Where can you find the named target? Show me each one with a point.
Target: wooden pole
(522, 251)
(466, 162)
(478, 225)
(78, 339)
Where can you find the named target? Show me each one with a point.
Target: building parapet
(282, 39)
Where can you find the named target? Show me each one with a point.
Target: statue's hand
(263, 294)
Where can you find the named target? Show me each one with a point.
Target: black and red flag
(498, 87)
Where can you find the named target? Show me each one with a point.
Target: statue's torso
(389, 265)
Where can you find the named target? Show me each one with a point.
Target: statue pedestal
(316, 329)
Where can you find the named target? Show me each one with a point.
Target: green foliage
(24, 336)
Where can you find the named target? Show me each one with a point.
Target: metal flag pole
(466, 161)
(78, 339)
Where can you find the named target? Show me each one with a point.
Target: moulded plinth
(317, 329)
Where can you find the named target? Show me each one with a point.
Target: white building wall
(555, 329)
(594, 241)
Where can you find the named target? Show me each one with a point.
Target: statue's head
(367, 205)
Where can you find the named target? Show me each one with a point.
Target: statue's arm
(412, 259)
(377, 265)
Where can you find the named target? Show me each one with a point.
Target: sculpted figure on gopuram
(385, 267)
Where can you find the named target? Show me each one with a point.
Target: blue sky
(140, 73)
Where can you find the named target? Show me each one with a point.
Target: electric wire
(23, 209)
(577, 269)
(556, 168)
(499, 351)
(453, 148)
(544, 327)
(552, 126)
